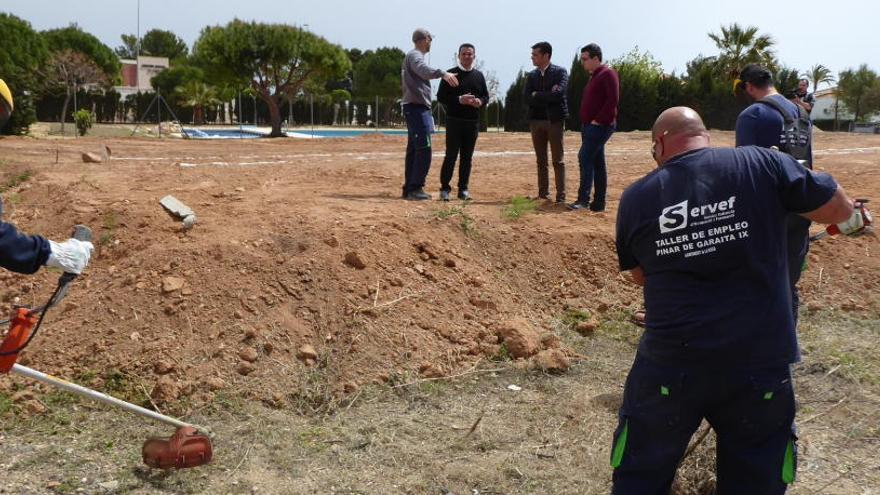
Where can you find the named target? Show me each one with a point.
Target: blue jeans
(419, 126)
(591, 159)
(751, 411)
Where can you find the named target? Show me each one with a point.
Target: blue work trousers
(419, 126)
(751, 411)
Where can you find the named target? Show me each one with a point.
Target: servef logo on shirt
(674, 217)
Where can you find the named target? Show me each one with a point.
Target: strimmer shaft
(94, 395)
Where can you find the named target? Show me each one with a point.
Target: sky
(838, 34)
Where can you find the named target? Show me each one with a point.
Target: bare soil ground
(339, 340)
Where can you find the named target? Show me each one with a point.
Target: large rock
(176, 207)
(519, 337)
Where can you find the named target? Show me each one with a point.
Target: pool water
(252, 132)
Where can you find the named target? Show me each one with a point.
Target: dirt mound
(306, 277)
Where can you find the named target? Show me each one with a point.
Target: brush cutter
(867, 219)
(186, 448)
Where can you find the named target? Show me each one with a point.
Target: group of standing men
(545, 93)
(463, 92)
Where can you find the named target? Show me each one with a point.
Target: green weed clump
(519, 206)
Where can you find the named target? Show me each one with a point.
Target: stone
(172, 284)
(519, 337)
(245, 368)
(91, 158)
(586, 328)
(307, 352)
(248, 354)
(213, 383)
(175, 207)
(332, 242)
(430, 370)
(551, 361)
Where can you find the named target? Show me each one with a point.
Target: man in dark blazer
(548, 108)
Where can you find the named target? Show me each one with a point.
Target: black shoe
(560, 200)
(597, 207)
(576, 206)
(464, 195)
(444, 195)
(418, 195)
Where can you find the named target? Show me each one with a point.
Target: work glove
(72, 255)
(857, 222)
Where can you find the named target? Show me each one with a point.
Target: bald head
(676, 131)
(678, 120)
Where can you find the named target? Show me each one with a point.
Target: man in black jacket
(548, 108)
(463, 104)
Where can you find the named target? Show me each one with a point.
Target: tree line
(271, 69)
(706, 85)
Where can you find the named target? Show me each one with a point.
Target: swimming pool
(254, 132)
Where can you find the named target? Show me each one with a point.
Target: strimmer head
(185, 449)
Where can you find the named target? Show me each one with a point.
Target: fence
(372, 112)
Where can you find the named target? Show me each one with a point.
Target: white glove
(72, 255)
(856, 222)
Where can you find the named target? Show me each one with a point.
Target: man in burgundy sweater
(598, 120)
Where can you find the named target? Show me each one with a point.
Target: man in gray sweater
(415, 79)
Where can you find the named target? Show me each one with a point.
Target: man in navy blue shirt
(705, 235)
(761, 124)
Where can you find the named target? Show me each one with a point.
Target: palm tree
(741, 46)
(197, 95)
(819, 74)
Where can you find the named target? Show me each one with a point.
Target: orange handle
(22, 324)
